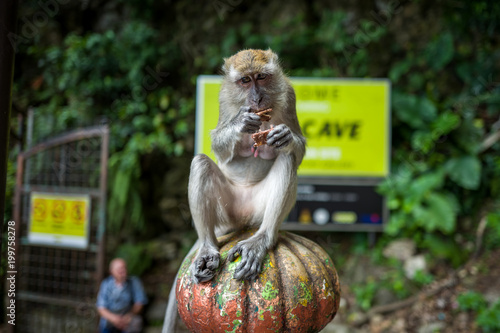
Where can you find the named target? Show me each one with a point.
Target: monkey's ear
(225, 67)
(230, 72)
(273, 64)
(228, 68)
(273, 57)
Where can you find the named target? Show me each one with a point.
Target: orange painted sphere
(297, 291)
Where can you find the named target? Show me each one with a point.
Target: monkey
(242, 190)
(249, 187)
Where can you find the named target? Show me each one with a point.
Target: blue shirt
(120, 298)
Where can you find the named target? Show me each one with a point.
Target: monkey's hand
(205, 265)
(280, 136)
(247, 121)
(252, 252)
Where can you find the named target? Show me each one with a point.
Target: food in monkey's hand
(264, 114)
(260, 138)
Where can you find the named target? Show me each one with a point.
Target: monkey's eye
(261, 76)
(245, 79)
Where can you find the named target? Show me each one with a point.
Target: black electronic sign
(342, 207)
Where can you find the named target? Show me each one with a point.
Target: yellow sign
(59, 219)
(346, 123)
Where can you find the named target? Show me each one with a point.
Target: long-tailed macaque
(249, 187)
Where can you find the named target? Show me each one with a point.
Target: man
(120, 300)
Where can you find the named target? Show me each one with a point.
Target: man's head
(118, 269)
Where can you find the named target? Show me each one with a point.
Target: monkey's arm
(287, 142)
(287, 137)
(228, 133)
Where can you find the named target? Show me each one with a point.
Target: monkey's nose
(259, 101)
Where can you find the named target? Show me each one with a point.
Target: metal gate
(57, 285)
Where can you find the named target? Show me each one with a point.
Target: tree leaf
(424, 184)
(422, 140)
(444, 247)
(444, 123)
(440, 51)
(468, 136)
(413, 110)
(397, 222)
(399, 69)
(438, 212)
(443, 208)
(465, 171)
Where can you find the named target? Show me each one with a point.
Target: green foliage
(492, 234)
(419, 201)
(422, 278)
(390, 277)
(471, 301)
(396, 281)
(121, 76)
(438, 170)
(365, 293)
(439, 52)
(465, 171)
(425, 140)
(136, 256)
(444, 247)
(140, 72)
(124, 199)
(488, 318)
(415, 111)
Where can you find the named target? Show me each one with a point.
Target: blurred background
(132, 66)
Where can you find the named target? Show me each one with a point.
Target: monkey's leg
(276, 196)
(208, 194)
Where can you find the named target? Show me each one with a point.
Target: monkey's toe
(251, 260)
(248, 271)
(205, 266)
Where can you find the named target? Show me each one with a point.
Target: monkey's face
(256, 89)
(255, 75)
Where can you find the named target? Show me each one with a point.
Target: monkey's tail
(171, 314)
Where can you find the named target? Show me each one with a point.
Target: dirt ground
(435, 308)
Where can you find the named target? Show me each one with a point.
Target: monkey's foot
(252, 252)
(205, 265)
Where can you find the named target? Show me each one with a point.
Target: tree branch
(489, 141)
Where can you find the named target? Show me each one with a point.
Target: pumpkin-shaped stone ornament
(297, 291)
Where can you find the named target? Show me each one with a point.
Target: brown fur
(249, 61)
